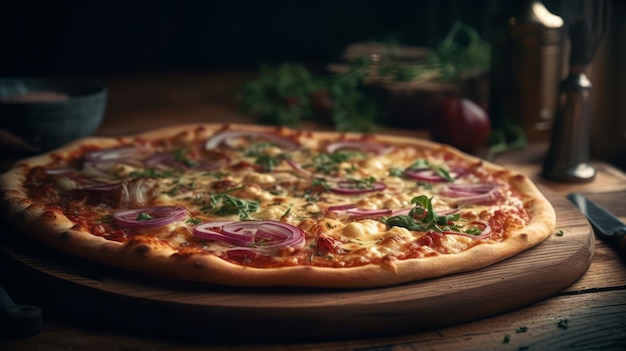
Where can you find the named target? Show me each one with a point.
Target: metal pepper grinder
(568, 158)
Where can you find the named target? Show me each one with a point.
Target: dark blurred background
(97, 37)
(86, 37)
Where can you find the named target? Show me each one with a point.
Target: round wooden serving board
(105, 297)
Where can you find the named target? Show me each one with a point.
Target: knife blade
(604, 223)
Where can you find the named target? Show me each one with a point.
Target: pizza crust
(54, 229)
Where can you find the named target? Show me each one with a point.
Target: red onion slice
(57, 171)
(215, 231)
(354, 212)
(161, 215)
(210, 165)
(459, 189)
(115, 154)
(359, 145)
(349, 187)
(401, 211)
(263, 237)
(298, 167)
(169, 160)
(301, 170)
(164, 159)
(102, 160)
(425, 175)
(431, 176)
(339, 208)
(227, 136)
(465, 194)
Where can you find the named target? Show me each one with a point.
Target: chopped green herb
(425, 185)
(194, 221)
(318, 252)
(225, 204)
(286, 213)
(366, 183)
(507, 338)
(521, 330)
(328, 163)
(268, 162)
(310, 197)
(106, 218)
(473, 231)
(396, 172)
(563, 324)
(257, 149)
(175, 190)
(143, 216)
(559, 233)
(216, 175)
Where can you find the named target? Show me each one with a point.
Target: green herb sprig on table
(288, 94)
(509, 136)
(462, 49)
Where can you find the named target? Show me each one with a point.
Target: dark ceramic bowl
(46, 113)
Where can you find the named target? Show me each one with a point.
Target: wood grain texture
(210, 312)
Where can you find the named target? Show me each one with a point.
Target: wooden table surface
(594, 306)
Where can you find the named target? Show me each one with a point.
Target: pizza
(247, 205)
